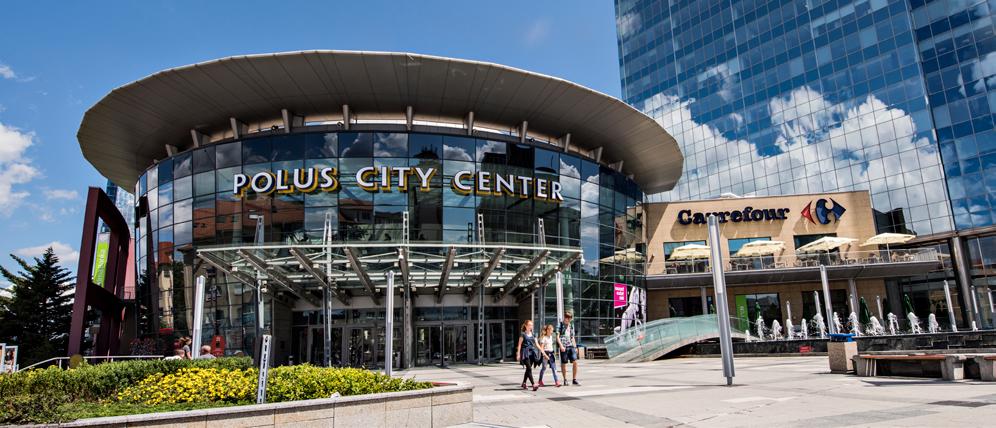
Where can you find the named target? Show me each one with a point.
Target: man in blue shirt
(568, 348)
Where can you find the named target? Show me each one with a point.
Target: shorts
(569, 355)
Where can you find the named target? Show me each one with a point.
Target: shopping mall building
(309, 181)
(780, 98)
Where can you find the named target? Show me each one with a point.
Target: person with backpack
(527, 353)
(568, 349)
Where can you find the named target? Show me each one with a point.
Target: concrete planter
(444, 405)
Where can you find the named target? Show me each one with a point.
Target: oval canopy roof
(129, 128)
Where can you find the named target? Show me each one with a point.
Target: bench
(987, 367)
(948, 367)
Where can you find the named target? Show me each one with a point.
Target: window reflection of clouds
(864, 134)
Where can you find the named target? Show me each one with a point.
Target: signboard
(100, 259)
(805, 349)
(741, 302)
(748, 214)
(618, 295)
(397, 179)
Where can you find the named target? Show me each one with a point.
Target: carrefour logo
(822, 212)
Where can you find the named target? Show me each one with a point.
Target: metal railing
(657, 337)
(62, 361)
(792, 260)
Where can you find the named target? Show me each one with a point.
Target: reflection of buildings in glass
(781, 98)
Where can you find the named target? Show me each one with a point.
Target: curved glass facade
(192, 204)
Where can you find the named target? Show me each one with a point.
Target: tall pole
(389, 324)
(327, 293)
(947, 299)
(723, 309)
(831, 326)
(559, 284)
(195, 348)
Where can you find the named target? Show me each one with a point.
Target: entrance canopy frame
(351, 269)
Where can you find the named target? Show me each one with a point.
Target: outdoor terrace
(795, 267)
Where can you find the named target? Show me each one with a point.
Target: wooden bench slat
(904, 357)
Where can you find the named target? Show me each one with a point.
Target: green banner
(100, 262)
(742, 312)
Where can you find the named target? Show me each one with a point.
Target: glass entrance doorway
(437, 344)
(309, 345)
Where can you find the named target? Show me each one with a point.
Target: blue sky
(58, 58)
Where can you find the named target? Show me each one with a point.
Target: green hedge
(36, 396)
(56, 395)
(103, 381)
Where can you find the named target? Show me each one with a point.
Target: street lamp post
(723, 310)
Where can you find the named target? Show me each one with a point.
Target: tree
(36, 315)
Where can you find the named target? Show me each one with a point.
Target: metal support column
(826, 300)
(705, 300)
(947, 299)
(852, 290)
(559, 284)
(719, 285)
(195, 348)
(327, 330)
(480, 324)
(964, 280)
(389, 324)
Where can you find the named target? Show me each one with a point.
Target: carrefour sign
(397, 178)
(747, 214)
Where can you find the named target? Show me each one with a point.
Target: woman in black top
(527, 353)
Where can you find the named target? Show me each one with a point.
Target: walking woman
(546, 346)
(527, 353)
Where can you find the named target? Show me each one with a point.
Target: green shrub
(102, 381)
(56, 395)
(305, 382)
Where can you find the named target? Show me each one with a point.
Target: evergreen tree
(37, 313)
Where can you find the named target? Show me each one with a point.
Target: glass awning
(361, 269)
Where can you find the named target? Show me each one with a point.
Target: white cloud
(64, 194)
(6, 72)
(67, 255)
(537, 32)
(14, 167)
(627, 24)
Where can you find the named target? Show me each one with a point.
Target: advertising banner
(619, 295)
(100, 259)
(742, 316)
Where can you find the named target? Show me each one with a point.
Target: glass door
(494, 341)
(363, 348)
(427, 345)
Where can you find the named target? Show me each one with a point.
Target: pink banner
(619, 295)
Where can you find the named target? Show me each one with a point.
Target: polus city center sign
(397, 178)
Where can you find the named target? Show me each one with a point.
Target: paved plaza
(769, 391)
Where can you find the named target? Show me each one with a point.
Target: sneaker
(541, 383)
(558, 384)
(575, 382)
(523, 385)
(535, 387)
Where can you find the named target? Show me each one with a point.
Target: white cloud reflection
(821, 146)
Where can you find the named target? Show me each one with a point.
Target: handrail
(800, 260)
(109, 358)
(660, 336)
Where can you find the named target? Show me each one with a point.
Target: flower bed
(122, 388)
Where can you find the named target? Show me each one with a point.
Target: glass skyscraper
(773, 97)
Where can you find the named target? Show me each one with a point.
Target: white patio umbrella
(628, 255)
(760, 248)
(825, 243)
(690, 252)
(888, 238)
